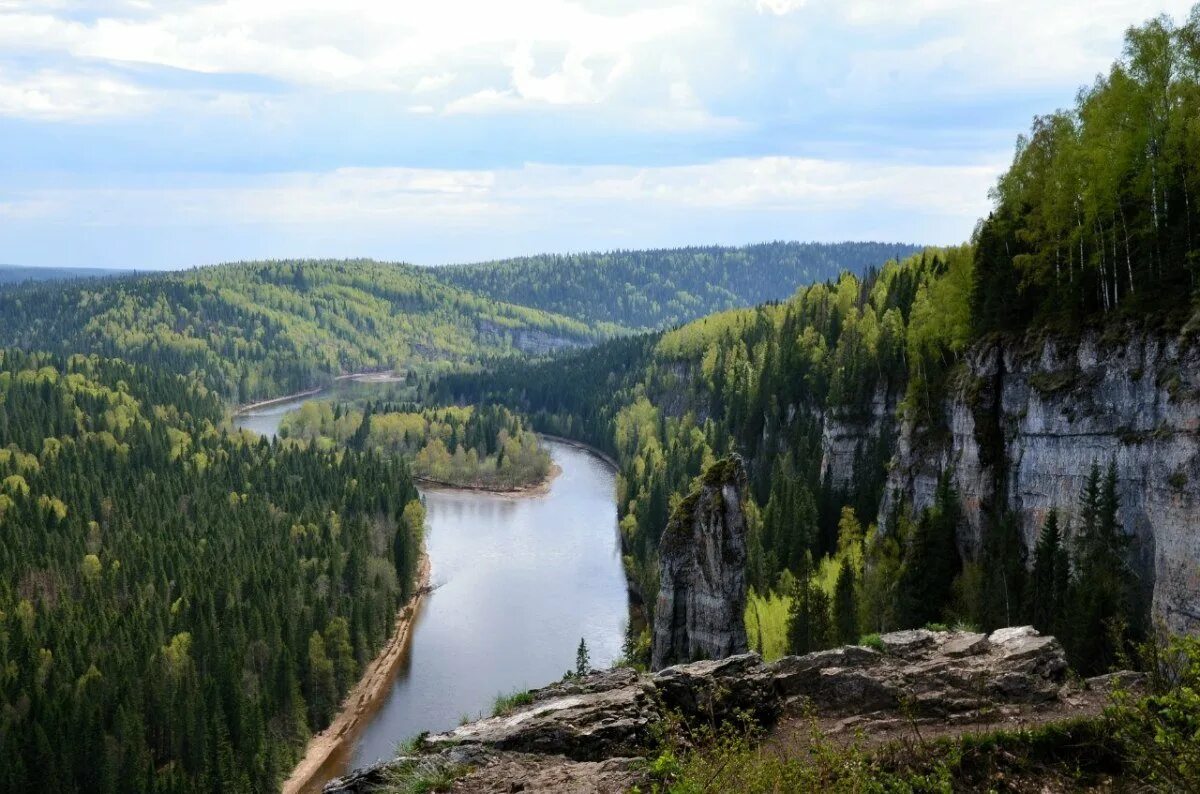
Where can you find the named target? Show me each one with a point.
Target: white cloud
(485, 197)
(483, 56)
(55, 96)
(780, 7)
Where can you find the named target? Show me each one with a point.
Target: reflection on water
(265, 421)
(518, 582)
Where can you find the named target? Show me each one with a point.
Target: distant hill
(664, 287)
(18, 274)
(260, 329)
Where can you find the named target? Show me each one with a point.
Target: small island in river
(485, 448)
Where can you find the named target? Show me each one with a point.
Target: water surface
(518, 582)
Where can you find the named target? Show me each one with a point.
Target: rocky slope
(702, 591)
(1026, 423)
(594, 734)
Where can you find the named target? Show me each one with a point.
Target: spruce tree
(1102, 608)
(845, 605)
(1049, 579)
(809, 625)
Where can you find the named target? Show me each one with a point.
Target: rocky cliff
(594, 733)
(1026, 423)
(702, 590)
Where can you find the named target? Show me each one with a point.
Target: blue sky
(170, 134)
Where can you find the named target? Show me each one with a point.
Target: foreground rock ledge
(593, 734)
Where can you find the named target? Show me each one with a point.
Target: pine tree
(845, 606)
(583, 661)
(1102, 599)
(931, 561)
(809, 625)
(1049, 578)
(1002, 600)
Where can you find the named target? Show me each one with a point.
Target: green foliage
(1160, 734)
(507, 704)
(583, 660)
(810, 623)
(179, 606)
(422, 778)
(1104, 614)
(658, 289)
(485, 447)
(1097, 215)
(256, 329)
(931, 561)
(872, 641)
(1050, 579)
(1056, 757)
(767, 623)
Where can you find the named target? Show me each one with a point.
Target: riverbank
(300, 395)
(366, 695)
(570, 442)
(540, 488)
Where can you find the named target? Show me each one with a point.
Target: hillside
(180, 607)
(994, 433)
(18, 274)
(665, 287)
(265, 328)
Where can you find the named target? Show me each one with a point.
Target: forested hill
(17, 274)
(665, 287)
(265, 328)
(1010, 379)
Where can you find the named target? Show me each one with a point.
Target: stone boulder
(604, 716)
(593, 734)
(711, 692)
(926, 673)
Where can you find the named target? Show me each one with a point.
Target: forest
(181, 605)
(1092, 230)
(1098, 213)
(485, 447)
(261, 329)
(660, 288)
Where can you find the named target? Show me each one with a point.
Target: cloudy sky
(153, 134)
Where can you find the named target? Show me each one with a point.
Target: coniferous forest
(1094, 230)
(181, 606)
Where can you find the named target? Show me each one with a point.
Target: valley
(783, 516)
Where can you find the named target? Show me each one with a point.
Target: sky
(170, 134)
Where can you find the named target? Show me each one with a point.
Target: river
(518, 582)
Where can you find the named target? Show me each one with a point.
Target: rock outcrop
(702, 590)
(1027, 423)
(593, 734)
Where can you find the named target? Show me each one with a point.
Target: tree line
(661, 288)
(487, 446)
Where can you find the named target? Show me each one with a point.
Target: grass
(412, 745)
(1062, 757)
(507, 704)
(420, 779)
(872, 641)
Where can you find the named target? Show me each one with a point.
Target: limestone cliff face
(702, 591)
(1027, 425)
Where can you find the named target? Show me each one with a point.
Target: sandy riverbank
(362, 700)
(300, 395)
